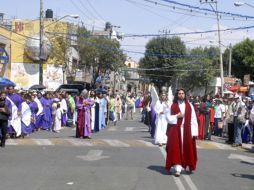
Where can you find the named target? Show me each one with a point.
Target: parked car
(72, 88)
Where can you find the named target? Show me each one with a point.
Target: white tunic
(58, 124)
(162, 120)
(26, 114)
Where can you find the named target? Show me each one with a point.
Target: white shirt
(219, 110)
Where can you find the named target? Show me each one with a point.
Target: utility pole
(41, 44)
(219, 40)
(230, 60)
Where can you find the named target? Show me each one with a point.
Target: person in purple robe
(26, 114)
(83, 106)
(34, 109)
(47, 121)
(15, 100)
(39, 115)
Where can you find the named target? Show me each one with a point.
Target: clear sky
(143, 17)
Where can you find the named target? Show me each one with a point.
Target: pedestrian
(239, 120)
(219, 111)
(26, 115)
(161, 109)
(4, 115)
(84, 104)
(181, 144)
(230, 120)
(58, 118)
(130, 105)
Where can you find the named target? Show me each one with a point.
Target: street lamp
(241, 3)
(41, 38)
(75, 16)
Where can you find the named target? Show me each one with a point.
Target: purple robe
(34, 109)
(84, 117)
(47, 121)
(17, 100)
(10, 129)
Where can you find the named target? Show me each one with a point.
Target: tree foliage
(243, 58)
(168, 63)
(159, 56)
(99, 51)
(199, 71)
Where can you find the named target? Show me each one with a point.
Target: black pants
(230, 132)
(3, 128)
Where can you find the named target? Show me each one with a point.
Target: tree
(199, 69)
(99, 51)
(161, 56)
(243, 58)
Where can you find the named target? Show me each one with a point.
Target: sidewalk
(222, 140)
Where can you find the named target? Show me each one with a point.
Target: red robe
(201, 124)
(178, 152)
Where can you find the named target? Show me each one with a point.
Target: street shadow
(159, 169)
(251, 150)
(249, 163)
(246, 176)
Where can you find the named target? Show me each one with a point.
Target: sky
(145, 17)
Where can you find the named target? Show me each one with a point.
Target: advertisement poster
(53, 77)
(25, 75)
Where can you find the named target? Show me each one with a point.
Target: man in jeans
(239, 120)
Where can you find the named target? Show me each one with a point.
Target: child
(57, 123)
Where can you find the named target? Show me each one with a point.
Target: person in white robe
(57, 120)
(26, 116)
(161, 108)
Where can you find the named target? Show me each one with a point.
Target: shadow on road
(244, 162)
(247, 176)
(159, 169)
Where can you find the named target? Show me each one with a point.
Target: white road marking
(129, 129)
(116, 143)
(190, 182)
(112, 129)
(93, 155)
(242, 157)
(11, 142)
(149, 144)
(79, 142)
(43, 142)
(177, 179)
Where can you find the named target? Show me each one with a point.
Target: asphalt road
(120, 157)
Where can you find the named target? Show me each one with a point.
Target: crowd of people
(231, 117)
(22, 113)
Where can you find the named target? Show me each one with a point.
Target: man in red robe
(181, 144)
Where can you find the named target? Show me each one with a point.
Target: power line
(95, 11)
(208, 10)
(90, 12)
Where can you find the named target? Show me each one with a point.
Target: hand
(179, 115)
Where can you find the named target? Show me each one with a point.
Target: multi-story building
(22, 46)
